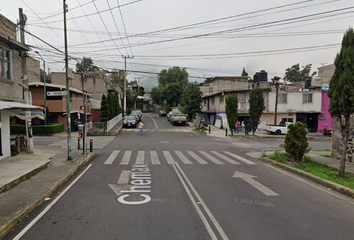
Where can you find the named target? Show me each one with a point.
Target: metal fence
(101, 128)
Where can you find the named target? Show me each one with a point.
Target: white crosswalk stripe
(211, 158)
(154, 158)
(224, 157)
(126, 158)
(184, 159)
(187, 157)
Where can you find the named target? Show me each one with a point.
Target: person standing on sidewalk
(247, 126)
(141, 125)
(237, 127)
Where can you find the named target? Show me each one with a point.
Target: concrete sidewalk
(24, 185)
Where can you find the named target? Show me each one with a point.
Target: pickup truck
(178, 118)
(278, 129)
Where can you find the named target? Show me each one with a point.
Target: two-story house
(14, 94)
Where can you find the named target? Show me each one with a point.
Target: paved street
(186, 185)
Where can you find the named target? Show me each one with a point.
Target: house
(214, 94)
(14, 94)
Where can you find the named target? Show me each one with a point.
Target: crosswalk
(171, 157)
(156, 130)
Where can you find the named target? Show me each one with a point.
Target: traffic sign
(57, 93)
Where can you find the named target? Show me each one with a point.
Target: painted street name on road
(249, 178)
(140, 182)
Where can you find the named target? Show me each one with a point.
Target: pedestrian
(237, 127)
(247, 126)
(141, 125)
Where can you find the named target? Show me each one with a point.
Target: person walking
(237, 127)
(141, 126)
(247, 126)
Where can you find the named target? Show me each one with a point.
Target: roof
(4, 105)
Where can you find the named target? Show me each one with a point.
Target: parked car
(178, 118)
(162, 113)
(130, 121)
(169, 116)
(136, 116)
(137, 112)
(281, 129)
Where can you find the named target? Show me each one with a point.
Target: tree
(85, 64)
(191, 99)
(117, 107)
(244, 73)
(173, 93)
(231, 105)
(208, 80)
(117, 76)
(294, 73)
(296, 144)
(173, 75)
(104, 109)
(341, 93)
(257, 107)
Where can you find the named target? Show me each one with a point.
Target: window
(283, 98)
(5, 64)
(212, 100)
(307, 98)
(241, 97)
(205, 101)
(221, 99)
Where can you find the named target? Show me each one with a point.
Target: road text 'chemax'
(140, 178)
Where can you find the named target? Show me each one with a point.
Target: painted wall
(325, 117)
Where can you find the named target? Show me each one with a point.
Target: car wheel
(173, 123)
(277, 132)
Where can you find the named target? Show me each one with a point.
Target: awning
(27, 115)
(16, 106)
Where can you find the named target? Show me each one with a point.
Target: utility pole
(125, 84)
(29, 136)
(68, 120)
(45, 90)
(276, 79)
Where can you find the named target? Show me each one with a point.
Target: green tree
(256, 102)
(117, 76)
(173, 93)
(117, 107)
(231, 105)
(85, 64)
(208, 80)
(244, 73)
(173, 75)
(104, 109)
(296, 144)
(293, 73)
(191, 99)
(341, 93)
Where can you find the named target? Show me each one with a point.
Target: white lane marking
(36, 219)
(211, 158)
(200, 213)
(154, 158)
(308, 183)
(140, 158)
(168, 157)
(111, 158)
(126, 158)
(196, 157)
(155, 124)
(122, 182)
(224, 157)
(203, 204)
(184, 159)
(239, 158)
(249, 179)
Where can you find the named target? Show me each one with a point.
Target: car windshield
(130, 118)
(177, 114)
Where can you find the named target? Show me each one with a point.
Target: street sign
(57, 93)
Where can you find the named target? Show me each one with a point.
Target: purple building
(324, 119)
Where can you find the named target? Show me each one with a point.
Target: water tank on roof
(325, 86)
(263, 76)
(308, 83)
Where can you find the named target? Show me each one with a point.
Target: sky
(206, 37)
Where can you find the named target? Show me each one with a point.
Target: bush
(296, 144)
(42, 129)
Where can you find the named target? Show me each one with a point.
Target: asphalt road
(185, 185)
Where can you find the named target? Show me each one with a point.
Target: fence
(101, 128)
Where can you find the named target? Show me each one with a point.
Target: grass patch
(323, 150)
(315, 168)
(326, 155)
(200, 129)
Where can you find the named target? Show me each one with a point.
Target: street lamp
(45, 90)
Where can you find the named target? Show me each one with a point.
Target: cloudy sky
(207, 37)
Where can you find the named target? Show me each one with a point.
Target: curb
(23, 213)
(334, 186)
(119, 129)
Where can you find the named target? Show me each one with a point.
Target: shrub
(42, 129)
(296, 144)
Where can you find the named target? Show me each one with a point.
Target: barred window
(307, 98)
(283, 98)
(221, 99)
(241, 97)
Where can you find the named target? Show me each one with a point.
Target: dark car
(130, 121)
(137, 112)
(162, 113)
(136, 116)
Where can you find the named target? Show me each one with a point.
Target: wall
(5, 134)
(326, 73)
(337, 138)
(325, 119)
